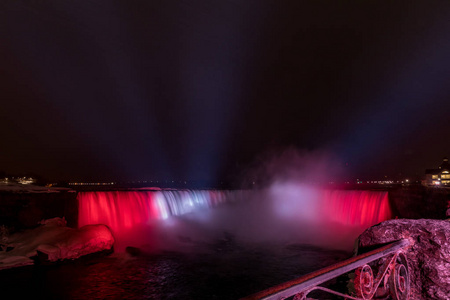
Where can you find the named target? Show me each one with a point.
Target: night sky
(197, 90)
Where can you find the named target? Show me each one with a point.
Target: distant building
(440, 176)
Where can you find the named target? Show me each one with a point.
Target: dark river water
(220, 270)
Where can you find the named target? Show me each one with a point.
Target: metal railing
(392, 277)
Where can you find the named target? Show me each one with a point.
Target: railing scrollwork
(392, 280)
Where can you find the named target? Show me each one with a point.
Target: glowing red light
(360, 208)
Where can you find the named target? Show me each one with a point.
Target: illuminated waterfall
(138, 215)
(125, 209)
(356, 208)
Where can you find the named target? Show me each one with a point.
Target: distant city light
(91, 183)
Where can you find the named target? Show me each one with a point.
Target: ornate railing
(390, 282)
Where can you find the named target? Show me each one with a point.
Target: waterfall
(356, 208)
(125, 209)
(139, 215)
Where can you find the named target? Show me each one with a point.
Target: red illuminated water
(136, 217)
(133, 216)
(356, 208)
(126, 209)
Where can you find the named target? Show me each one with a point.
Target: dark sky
(128, 90)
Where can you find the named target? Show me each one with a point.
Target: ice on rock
(55, 240)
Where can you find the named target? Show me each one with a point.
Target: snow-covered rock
(55, 240)
(428, 256)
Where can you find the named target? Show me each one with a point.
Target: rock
(428, 256)
(58, 222)
(78, 242)
(53, 241)
(133, 251)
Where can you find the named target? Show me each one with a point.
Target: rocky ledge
(52, 241)
(428, 256)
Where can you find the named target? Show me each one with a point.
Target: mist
(286, 204)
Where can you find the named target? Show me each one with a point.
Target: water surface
(222, 270)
